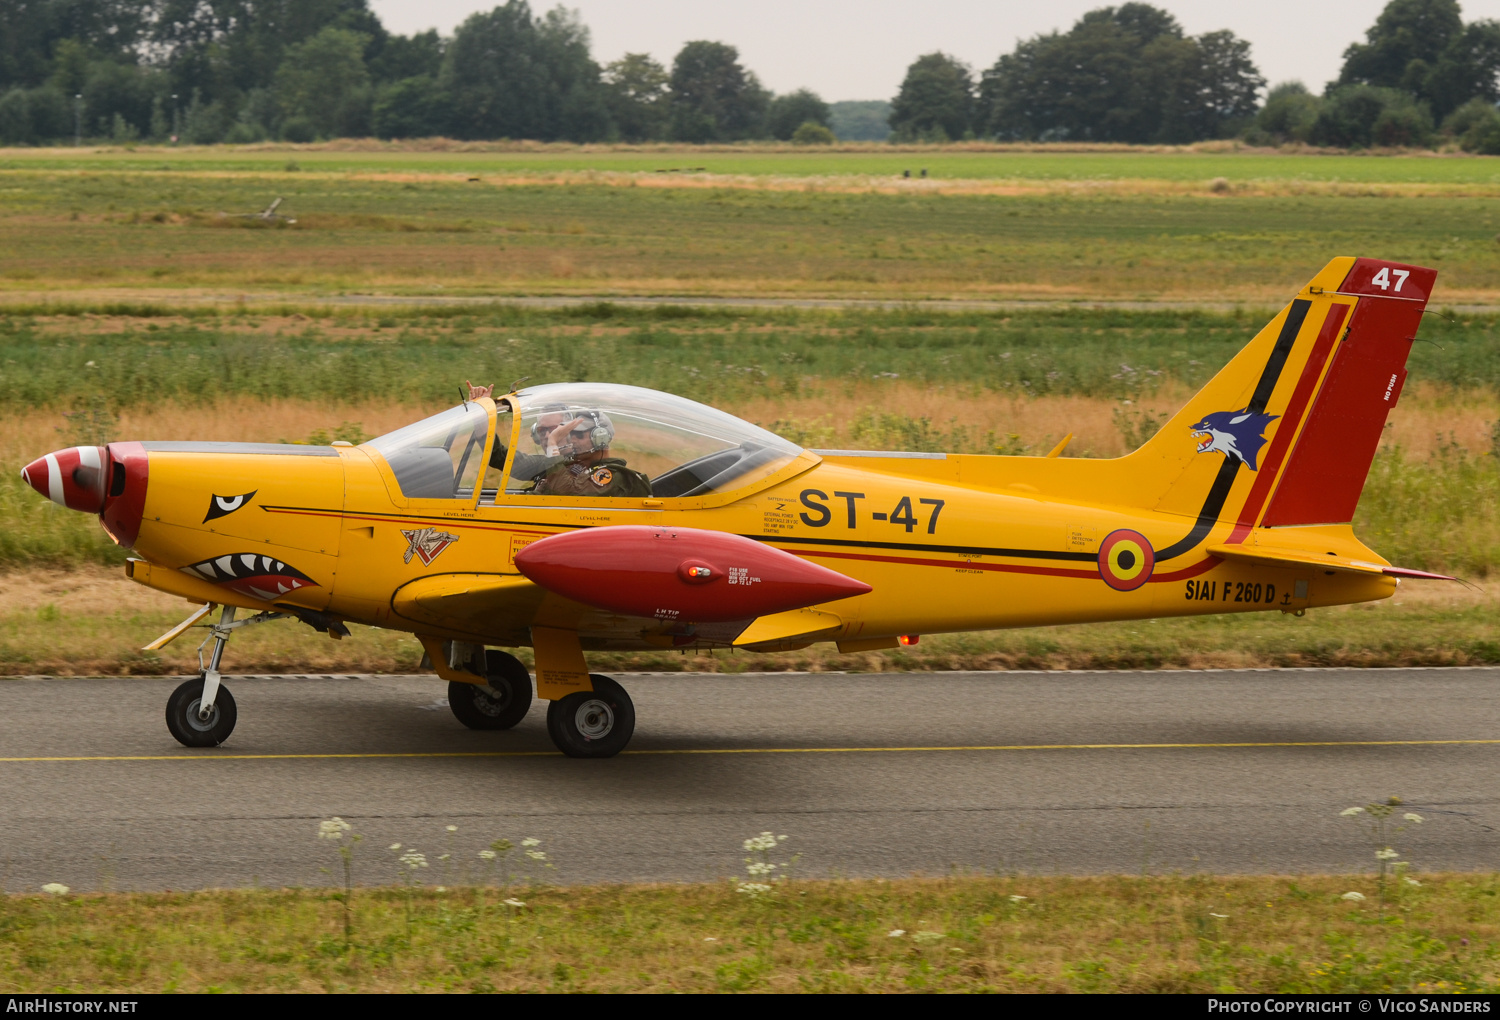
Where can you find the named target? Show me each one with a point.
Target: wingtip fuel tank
(680, 574)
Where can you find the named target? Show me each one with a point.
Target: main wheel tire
(592, 724)
(183, 721)
(473, 706)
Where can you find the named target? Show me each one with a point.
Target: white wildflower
(414, 860)
(928, 936)
(536, 855)
(1350, 812)
(1353, 897)
(1386, 855)
(1411, 881)
(1220, 916)
(333, 828)
(394, 846)
(896, 933)
(758, 868)
(753, 889)
(1017, 898)
(444, 857)
(1413, 817)
(709, 938)
(762, 843)
(531, 841)
(487, 855)
(513, 902)
(55, 889)
(452, 828)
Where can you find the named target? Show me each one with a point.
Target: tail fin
(1286, 432)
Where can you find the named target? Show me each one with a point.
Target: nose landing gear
(201, 712)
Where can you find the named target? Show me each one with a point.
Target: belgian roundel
(1126, 560)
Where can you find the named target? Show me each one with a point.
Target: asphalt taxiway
(867, 774)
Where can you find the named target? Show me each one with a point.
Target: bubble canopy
(685, 448)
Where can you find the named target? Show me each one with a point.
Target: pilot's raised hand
(475, 392)
(558, 441)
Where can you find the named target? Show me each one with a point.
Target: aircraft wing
(468, 602)
(1273, 557)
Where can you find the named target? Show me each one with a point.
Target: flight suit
(609, 477)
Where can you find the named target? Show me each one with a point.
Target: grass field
(122, 225)
(1016, 934)
(1198, 164)
(111, 250)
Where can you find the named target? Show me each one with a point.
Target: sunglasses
(539, 434)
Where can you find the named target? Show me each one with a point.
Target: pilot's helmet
(601, 430)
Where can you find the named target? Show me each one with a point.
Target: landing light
(909, 639)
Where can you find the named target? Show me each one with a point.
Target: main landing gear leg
(595, 723)
(201, 712)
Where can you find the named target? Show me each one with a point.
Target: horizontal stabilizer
(1271, 557)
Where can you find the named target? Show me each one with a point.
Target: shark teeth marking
(252, 574)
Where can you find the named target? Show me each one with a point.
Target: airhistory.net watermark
(69, 1004)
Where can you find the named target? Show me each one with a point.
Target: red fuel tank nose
(680, 574)
(74, 478)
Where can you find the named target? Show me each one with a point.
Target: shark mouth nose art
(251, 574)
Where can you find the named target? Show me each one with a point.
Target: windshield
(438, 457)
(581, 439)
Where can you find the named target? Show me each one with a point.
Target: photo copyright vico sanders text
(1373, 1004)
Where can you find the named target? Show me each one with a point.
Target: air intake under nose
(74, 478)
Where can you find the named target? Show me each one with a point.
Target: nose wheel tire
(183, 720)
(478, 709)
(592, 724)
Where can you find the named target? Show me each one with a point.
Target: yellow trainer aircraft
(588, 517)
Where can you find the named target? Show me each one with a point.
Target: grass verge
(967, 933)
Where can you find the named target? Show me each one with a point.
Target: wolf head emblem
(1236, 434)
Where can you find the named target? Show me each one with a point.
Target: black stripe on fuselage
(957, 550)
(1218, 492)
(909, 547)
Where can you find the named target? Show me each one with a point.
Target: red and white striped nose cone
(73, 478)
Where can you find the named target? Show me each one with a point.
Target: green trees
(636, 92)
(509, 74)
(324, 81)
(713, 98)
(1288, 114)
(1419, 65)
(1365, 115)
(860, 120)
(1423, 48)
(1121, 74)
(244, 70)
(788, 113)
(936, 101)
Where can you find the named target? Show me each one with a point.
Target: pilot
(590, 470)
(575, 458)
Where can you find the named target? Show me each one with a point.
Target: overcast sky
(859, 49)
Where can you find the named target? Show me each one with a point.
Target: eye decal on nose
(223, 506)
